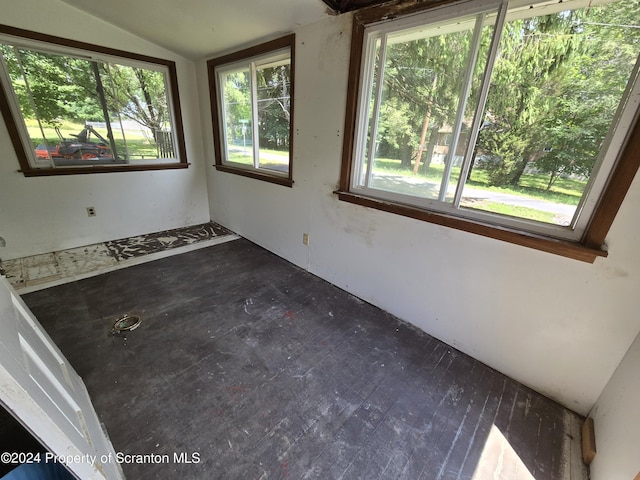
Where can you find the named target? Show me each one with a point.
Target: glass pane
(422, 84)
(79, 112)
(274, 107)
(138, 109)
(555, 88)
(237, 116)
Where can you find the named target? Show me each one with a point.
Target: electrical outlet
(305, 239)
(91, 211)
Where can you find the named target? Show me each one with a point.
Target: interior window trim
(64, 46)
(591, 244)
(254, 54)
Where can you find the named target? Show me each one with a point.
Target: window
(509, 120)
(252, 110)
(72, 107)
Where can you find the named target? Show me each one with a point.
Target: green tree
(592, 88)
(137, 94)
(422, 84)
(555, 88)
(274, 106)
(60, 86)
(64, 87)
(531, 62)
(237, 98)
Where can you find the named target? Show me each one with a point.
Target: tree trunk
(147, 98)
(405, 154)
(425, 125)
(519, 170)
(105, 109)
(433, 138)
(552, 180)
(473, 161)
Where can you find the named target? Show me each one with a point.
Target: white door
(44, 392)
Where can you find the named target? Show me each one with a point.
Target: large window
(252, 108)
(502, 118)
(77, 108)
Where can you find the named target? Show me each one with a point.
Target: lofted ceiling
(201, 28)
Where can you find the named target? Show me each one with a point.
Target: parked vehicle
(79, 148)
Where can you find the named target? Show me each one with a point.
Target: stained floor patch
(60, 266)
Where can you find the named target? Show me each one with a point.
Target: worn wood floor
(252, 368)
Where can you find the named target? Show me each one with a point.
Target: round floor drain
(126, 323)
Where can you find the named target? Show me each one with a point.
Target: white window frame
(352, 190)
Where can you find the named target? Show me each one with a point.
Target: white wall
(45, 214)
(617, 422)
(558, 325)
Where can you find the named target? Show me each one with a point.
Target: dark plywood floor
(260, 370)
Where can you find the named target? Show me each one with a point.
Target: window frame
(14, 125)
(248, 55)
(590, 246)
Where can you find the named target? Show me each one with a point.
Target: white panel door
(39, 387)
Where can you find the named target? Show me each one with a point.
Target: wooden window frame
(12, 123)
(587, 249)
(246, 54)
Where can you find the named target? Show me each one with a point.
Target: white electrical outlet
(305, 239)
(91, 211)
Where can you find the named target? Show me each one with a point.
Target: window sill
(285, 181)
(573, 250)
(49, 172)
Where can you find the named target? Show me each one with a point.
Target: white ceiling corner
(201, 28)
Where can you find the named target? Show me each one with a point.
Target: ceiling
(200, 28)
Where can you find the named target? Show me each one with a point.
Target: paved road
(420, 187)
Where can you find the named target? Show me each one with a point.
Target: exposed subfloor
(260, 370)
(41, 271)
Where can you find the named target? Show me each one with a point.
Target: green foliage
(58, 88)
(273, 86)
(137, 94)
(525, 81)
(555, 89)
(59, 85)
(274, 106)
(237, 98)
(422, 83)
(596, 77)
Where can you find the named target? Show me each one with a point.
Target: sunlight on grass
(269, 159)
(565, 191)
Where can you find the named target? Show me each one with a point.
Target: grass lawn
(514, 211)
(269, 159)
(565, 191)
